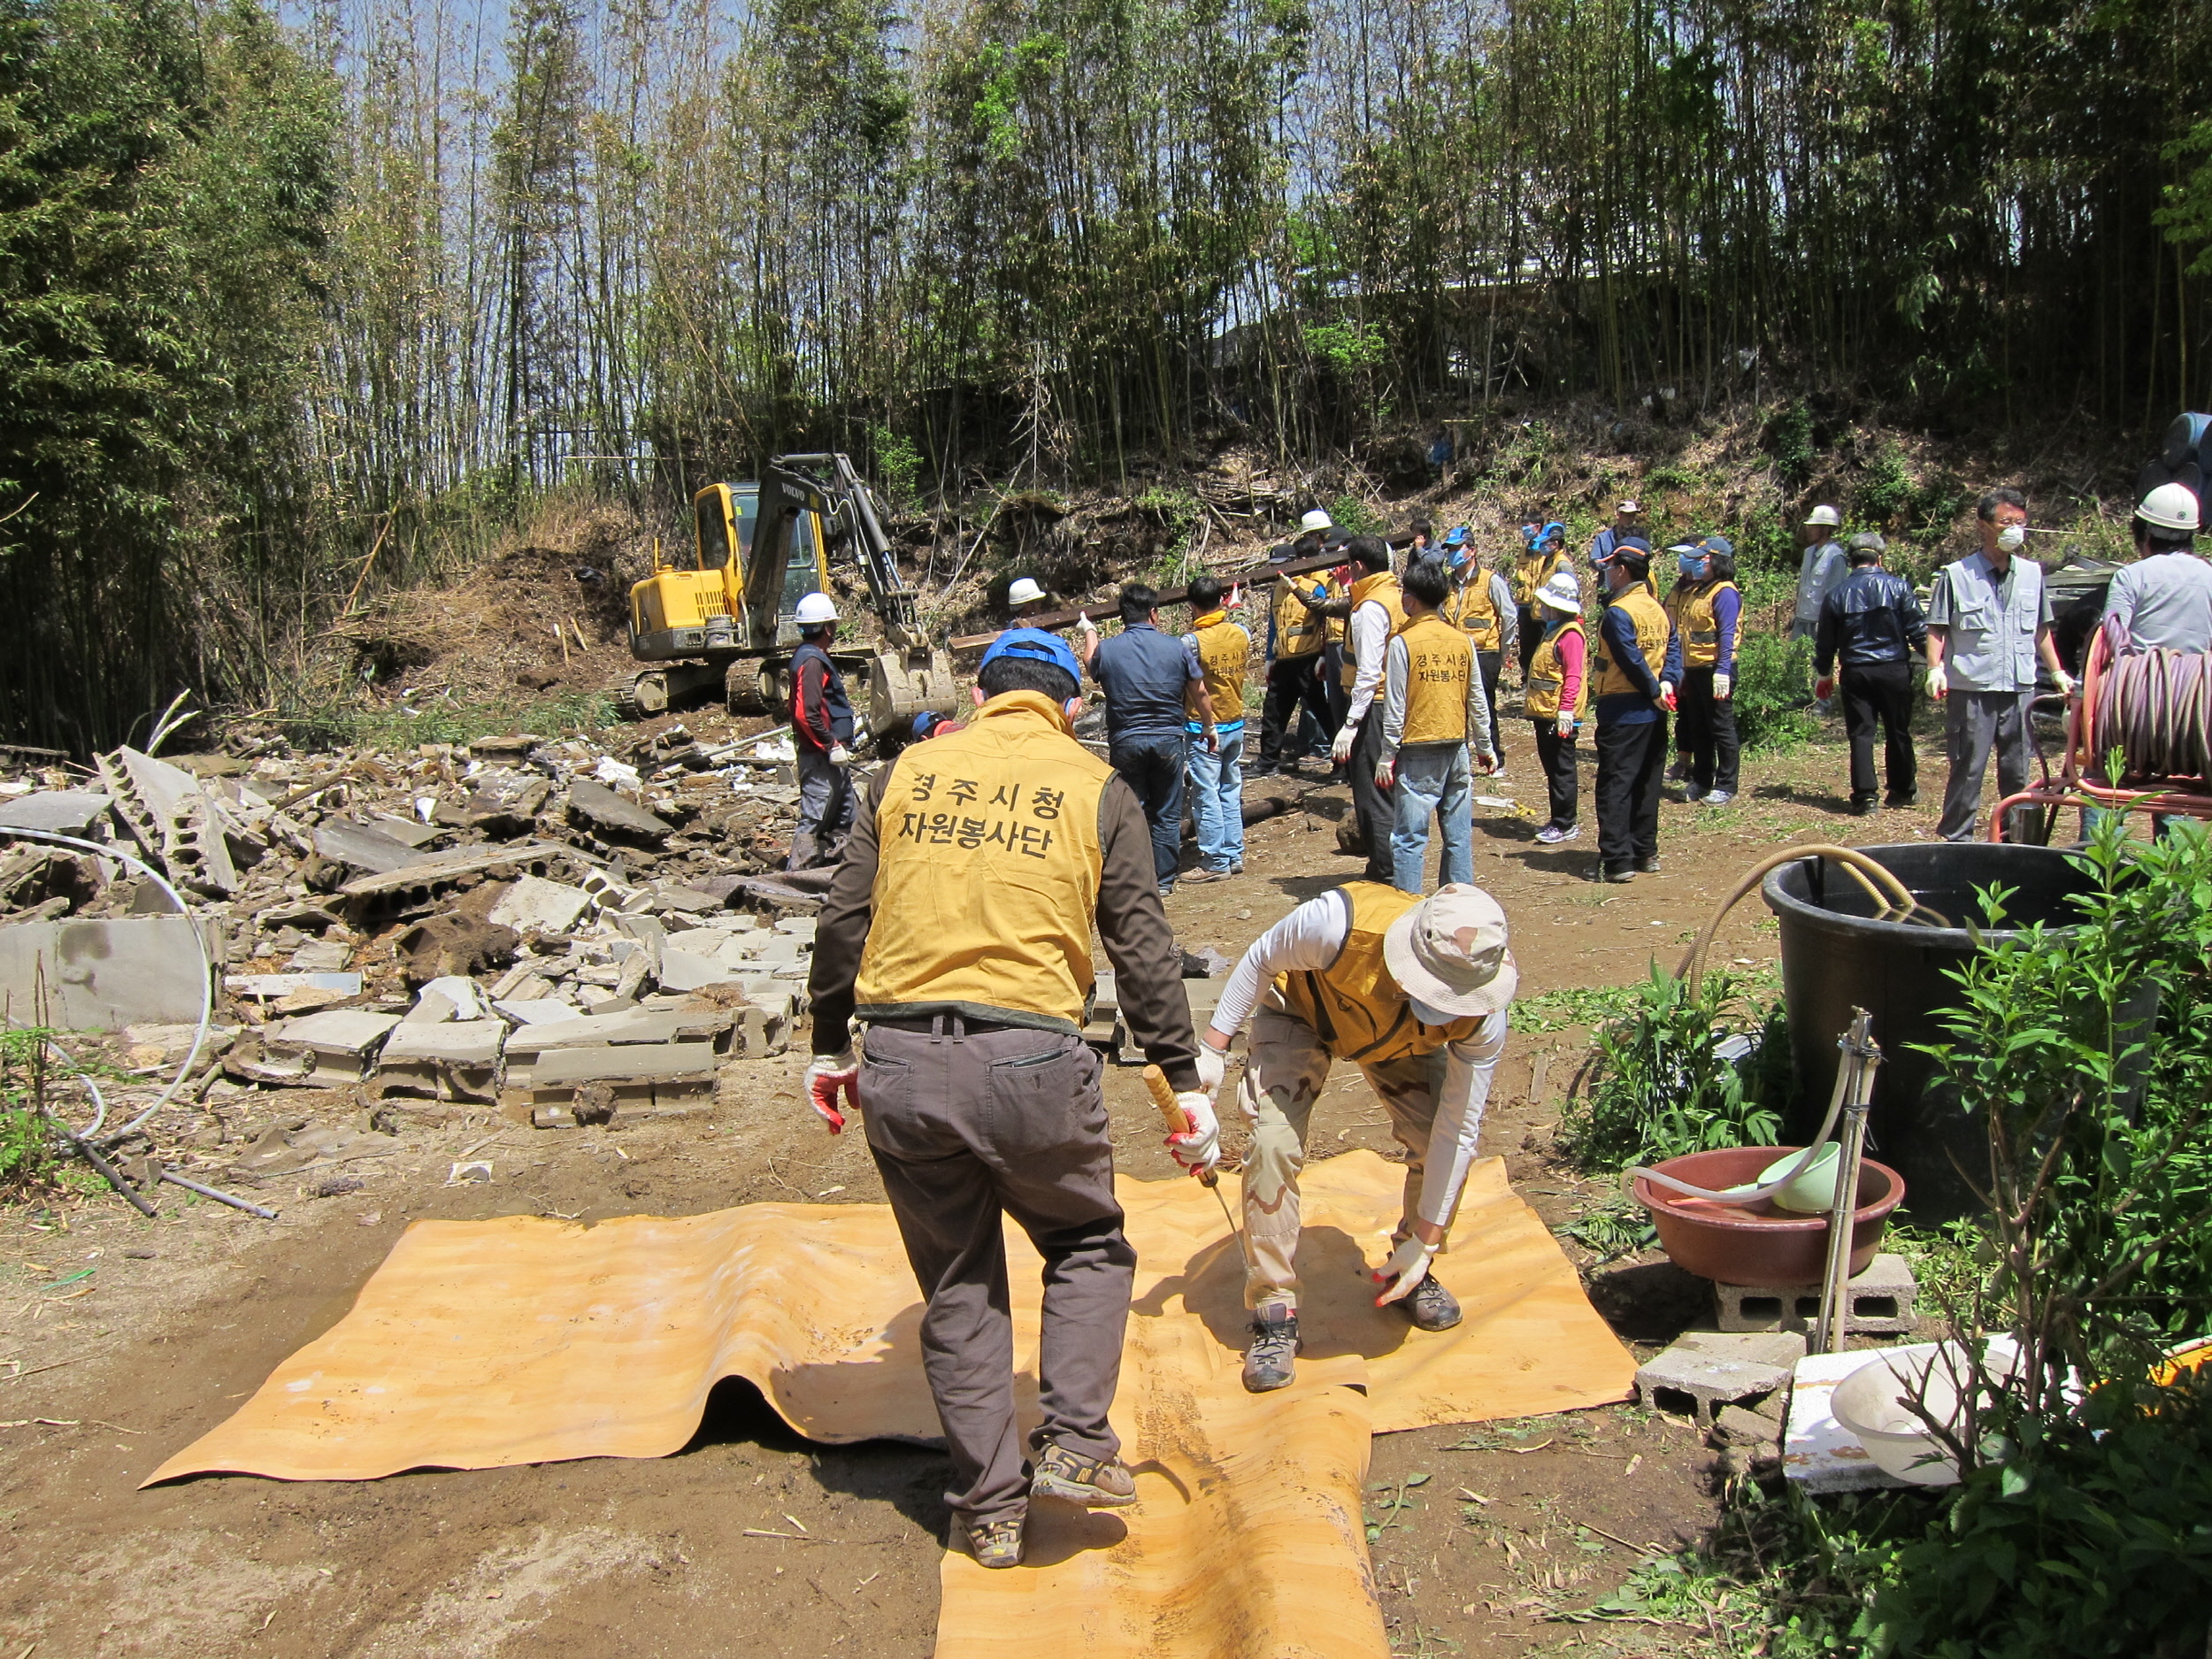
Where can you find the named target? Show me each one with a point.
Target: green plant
(1354, 517)
(31, 1158)
(1887, 488)
(898, 463)
(1347, 345)
(1789, 440)
(1663, 1086)
(340, 724)
(1773, 692)
(1618, 1226)
(1571, 1005)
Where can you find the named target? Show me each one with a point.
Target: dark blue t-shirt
(1143, 673)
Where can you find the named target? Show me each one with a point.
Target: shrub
(1773, 691)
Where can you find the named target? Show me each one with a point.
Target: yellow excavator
(727, 619)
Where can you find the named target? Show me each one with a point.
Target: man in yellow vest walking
(1377, 613)
(1414, 993)
(958, 930)
(1433, 710)
(1482, 606)
(1217, 650)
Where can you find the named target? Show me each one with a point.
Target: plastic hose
(207, 974)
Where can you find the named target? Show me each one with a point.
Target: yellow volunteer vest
(1690, 608)
(1547, 678)
(1382, 588)
(1652, 629)
(1223, 649)
(1337, 590)
(1439, 660)
(1354, 1005)
(1298, 630)
(1531, 571)
(987, 861)
(1471, 608)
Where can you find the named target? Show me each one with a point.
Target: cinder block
(1688, 1378)
(1879, 1302)
(1750, 1428)
(1761, 1347)
(763, 1032)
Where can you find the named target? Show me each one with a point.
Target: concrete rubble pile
(566, 932)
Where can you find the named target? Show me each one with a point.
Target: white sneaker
(1551, 834)
(1715, 797)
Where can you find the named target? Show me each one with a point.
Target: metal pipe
(1862, 1057)
(235, 1202)
(113, 1176)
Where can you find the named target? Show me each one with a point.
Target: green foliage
(1789, 440)
(1773, 691)
(1346, 346)
(1572, 1005)
(1662, 1087)
(345, 723)
(1887, 488)
(2186, 217)
(1619, 1227)
(1354, 517)
(31, 1160)
(898, 464)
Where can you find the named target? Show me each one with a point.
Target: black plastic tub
(1836, 957)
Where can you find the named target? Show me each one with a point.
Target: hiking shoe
(1551, 834)
(1429, 1306)
(1607, 873)
(1648, 866)
(1268, 1362)
(1864, 809)
(996, 1542)
(1912, 799)
(1715, 797)
(1095, 1485)
(1190, 876)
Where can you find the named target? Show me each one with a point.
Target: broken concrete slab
(406, 830)
(269, 987)
(320, 957)
(681, 970)
(364, 847)
(603, 810)
(457, 1062)
(432, 1008)
(103, 974)
(537, 1010)
(1750, 1428)
(179, 826)
(62, 811)
(534, 904)
(442, 868)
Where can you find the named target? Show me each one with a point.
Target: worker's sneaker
(1715, 797)
(1190, 876)
(1613, 872)
(996, 1540)
(1864, 809)
(1270, 1362)
(1648, 866)
(1429, 1306)
(1062, 1473)
(1551, 834)
(1911, 798)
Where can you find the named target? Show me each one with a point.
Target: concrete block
(646, 934)
(687, 900)
(406, 831)
(474, 1042)
(763, 1033)
(366, 848)
(536, 1011)
(269, 987)
(320, 957)
(63, 811)
(340, 1031)
(602, 807)
(460, 990)
(1750, 1428)
(681, 970)
(1879, 1302)
(1685, 1379)
(1761, 1347)
(432, 1008)
(103, 975)
(533, 903)
(325, 1050)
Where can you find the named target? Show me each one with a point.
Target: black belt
(950, 1025)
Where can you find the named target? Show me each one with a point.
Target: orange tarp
(482, 1344)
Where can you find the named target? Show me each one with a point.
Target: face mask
(2012, 537)
(1692, 566)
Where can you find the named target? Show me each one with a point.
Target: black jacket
(1870, 616)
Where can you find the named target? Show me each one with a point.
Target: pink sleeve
(1569, 645)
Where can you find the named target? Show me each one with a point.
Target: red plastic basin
(1756, 1244)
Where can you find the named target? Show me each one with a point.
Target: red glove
(1666, 695)
(1825, 687)
(829, 1076)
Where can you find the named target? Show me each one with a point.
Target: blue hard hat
(925, 723)
(1035, 642)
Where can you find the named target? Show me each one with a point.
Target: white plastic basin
(1871, 1403)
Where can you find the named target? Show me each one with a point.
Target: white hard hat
(815, 609)
(2171, 507)
(1024, 591)
(1561, 592)
(1448, 951)
(1825, 516)
(1317, 520)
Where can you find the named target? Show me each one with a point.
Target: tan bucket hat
(1448, 951)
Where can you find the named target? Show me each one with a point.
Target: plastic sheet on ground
(484, 1344)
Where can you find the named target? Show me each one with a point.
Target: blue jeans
(1433, 777)
(1153, 768)
(1217, 800)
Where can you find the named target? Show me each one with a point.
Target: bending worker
(958, 928)
(1433, 710)
(1414, 993)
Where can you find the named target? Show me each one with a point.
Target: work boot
(995, 1541)
(1095, 1485)
(1269, 1362)
(1911, 797)
(1429, 1306)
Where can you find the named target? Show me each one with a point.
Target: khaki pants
(968, 1126)
(1284, 1069)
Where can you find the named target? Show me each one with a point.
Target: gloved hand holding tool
(1175, 1111)
(828, 1076)
(1566, 724)
(840, 756)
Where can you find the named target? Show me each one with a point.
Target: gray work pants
(1975, 722)
(966, 1127)
(825, 810)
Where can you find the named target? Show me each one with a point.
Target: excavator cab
(698, 607)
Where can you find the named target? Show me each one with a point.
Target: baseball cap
(1456, 536)
(1635, 546)
(1037, 643)
(1719, 544)
(1448, 951)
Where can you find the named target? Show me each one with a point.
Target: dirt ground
(1485, 1532)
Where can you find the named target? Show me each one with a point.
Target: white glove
(1408, 1266)
(2065, 682)
(1198, 1148)
(1083, 621)
(1666, 695)
(828, 1076)
(1938, 684)
(1211, 1065)
(1386, 771)
(1340, 750)
(1564, 726)
(840, 756)
(1723, 684)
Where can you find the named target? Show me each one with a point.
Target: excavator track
(640, 696)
